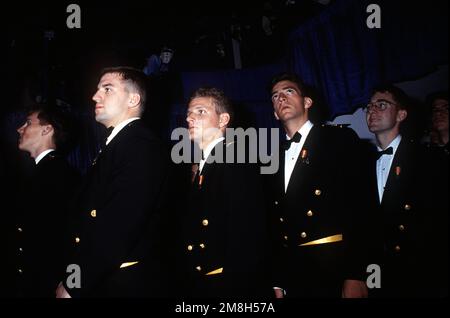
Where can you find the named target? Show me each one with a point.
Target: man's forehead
(440, 101)
(283, 85)
(32, 115)
(382, 95)
(110, 77)
(200, 102)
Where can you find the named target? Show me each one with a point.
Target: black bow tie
(387, 151)
(286, 144)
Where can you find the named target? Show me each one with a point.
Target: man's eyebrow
(106, 85)
(284, 88)
(198, 106)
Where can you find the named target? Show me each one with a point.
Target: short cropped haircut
(221, 103)
(134, 79)
(400, 97)
(61, 121)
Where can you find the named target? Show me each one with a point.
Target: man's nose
(281, 97)
(372, 109)
(190, 119)
(96, 97)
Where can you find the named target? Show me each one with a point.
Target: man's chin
(194, 137)
(286, 116)
(372, 129)
(195, 140)
(100, 119)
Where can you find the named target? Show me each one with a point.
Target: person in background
(411, 205)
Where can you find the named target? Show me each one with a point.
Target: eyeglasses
(379, 106)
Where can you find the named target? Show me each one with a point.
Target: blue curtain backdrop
(343, 59)
(338, 54)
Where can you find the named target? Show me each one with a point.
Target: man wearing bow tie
(319, 202)
(115, 230)
(409, 206)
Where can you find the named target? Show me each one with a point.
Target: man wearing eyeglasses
(408, 208)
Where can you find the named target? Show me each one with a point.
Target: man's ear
(48, 129)
(308, 102)
(224, 119)
(134, 100)
(401, 115)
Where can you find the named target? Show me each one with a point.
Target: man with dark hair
(115, 234)
(319, 202)
(224, 227)
(62, 123)
(134, 81)
(438, 103)
(41, 222)
(410, 203)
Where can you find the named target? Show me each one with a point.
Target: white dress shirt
(42, 155)
(384, 164)
(208, 150)
(291, 155)
(119, 127)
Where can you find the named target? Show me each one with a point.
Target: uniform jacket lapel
(395, 174)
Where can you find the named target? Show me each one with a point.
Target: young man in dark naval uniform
(116, 224)
(223, 241)
(319, 210)
(41, 225)
(410, 189)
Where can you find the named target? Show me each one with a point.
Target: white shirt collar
(394, 144)
(208, 150)
(42, 155)
(119, 127)
(304, 130)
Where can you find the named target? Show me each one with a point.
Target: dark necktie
(195, 176)
(387, 151)
(103, 143)
(107, 134)
(286, 144)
